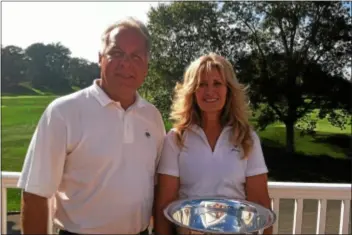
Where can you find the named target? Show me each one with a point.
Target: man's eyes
(137, 57)
(120, 54)
(116, 53)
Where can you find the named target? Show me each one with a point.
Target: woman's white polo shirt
(203, 172)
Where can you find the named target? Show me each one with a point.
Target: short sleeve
(169, 164)
(256, 163)
(44, 162)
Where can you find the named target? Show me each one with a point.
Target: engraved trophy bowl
(214, 215)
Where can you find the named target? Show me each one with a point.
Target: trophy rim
(243, 201)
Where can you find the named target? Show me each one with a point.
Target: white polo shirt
(98, 160)
(203, 172)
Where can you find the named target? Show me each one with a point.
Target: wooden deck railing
(277, 190)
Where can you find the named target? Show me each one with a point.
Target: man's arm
(34, 214)
(42, 170)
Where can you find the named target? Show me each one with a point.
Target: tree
(81, 72)
(181, 32)
(13, 67)
(58, 60)
(37, 69)
(297, 53)
(48, 66)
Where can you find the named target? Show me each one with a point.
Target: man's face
(124, 64)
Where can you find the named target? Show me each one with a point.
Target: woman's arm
(167, 192)
(257, 192)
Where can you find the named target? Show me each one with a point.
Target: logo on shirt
(147, 134)
(235, 149)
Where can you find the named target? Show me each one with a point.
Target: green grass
(313, 146)
(20, 115)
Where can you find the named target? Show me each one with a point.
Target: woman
(211, 150)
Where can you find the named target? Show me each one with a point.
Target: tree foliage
(13, 66)
(298, 53)
(49, 68)
(291, 54)
(181, 32)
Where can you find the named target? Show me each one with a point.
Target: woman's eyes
(216, 83)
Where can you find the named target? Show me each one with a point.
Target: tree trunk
(290, 138)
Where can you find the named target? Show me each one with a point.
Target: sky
(77, 25)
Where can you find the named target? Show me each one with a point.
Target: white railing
(318, 191)
(9, 180)
(277, 191)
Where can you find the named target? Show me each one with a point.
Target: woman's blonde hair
(185, 111)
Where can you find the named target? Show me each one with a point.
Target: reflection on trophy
(211, 215)
(218, 216)
(247, 217)
(183, 215)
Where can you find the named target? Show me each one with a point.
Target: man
(96, 150)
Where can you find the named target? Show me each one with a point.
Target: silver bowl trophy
(209, 215)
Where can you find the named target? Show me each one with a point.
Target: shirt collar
(104, 99)
(200, 132)
(196, 128)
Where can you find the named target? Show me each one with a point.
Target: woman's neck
(211, 122)
(212, 128)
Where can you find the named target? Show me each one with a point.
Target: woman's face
(211, 93)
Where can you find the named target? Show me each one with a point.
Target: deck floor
(285, 218)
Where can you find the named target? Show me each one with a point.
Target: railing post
(275, 205)
(344, 216)
(4, 210)
(321, 218)
(297, 217)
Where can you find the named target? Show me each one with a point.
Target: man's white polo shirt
(204, 172)
(98, 160)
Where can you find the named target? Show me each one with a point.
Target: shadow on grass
(304, 168)
(342, 141)
(27, 90)
(18, 90)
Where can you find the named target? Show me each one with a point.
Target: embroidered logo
(236, 149)
(147, 134)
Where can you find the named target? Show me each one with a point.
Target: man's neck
(125, 102)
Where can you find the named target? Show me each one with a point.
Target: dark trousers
(64, 232)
